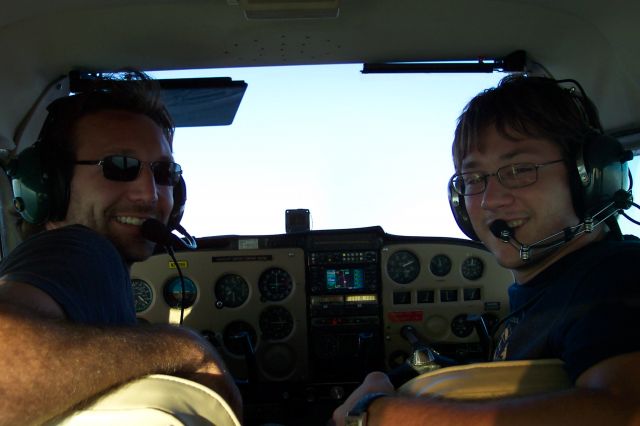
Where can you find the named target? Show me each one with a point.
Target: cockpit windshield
(354, 149)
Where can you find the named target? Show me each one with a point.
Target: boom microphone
(156, 231)
(500, 229)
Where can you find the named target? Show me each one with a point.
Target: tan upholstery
(156, 400)
(491, 380)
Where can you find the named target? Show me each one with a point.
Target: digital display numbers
(345, 279)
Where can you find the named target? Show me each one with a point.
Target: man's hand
(374, 382)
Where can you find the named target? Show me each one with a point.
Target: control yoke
(423, 359)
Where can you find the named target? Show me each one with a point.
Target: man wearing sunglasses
(540, 185)
(67, 319)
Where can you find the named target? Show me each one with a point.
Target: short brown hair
(522, 106)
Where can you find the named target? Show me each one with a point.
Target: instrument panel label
(409, 316)
(240, 258)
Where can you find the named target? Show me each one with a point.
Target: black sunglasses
(126, 169)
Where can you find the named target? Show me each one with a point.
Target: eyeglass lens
(123, 168)
(511, 176)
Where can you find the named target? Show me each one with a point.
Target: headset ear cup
(31, 186)
(602, 171)
(179, 201)
(40, 193)
(459, 210)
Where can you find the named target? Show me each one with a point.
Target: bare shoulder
(28, 297)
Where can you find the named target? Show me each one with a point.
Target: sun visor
(202, 101)
(191, 101)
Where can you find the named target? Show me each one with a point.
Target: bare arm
(51, 365)
(607, 393)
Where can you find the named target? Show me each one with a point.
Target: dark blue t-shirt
(583, 309)
(80, 269)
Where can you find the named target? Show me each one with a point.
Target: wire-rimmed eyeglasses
(512, 176)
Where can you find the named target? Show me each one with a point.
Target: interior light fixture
(290, 9)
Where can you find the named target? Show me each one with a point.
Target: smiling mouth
(515, 223)
(130, 220)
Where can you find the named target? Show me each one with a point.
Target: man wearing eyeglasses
(67, 319)
(539, 184)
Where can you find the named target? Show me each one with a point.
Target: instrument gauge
(276, 323)
(231, 291)
(472, 268)
(440, 265)
(403, 267)
(275, 284)
(239, 338)
(173, 293)
(461, 326)
(142, 294)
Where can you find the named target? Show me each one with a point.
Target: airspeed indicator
(403, 267)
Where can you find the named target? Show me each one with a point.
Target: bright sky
(355, 149)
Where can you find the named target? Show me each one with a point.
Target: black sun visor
(191, 102)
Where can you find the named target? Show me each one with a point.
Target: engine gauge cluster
(403, 266)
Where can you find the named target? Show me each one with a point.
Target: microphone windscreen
(500, 229)
(155, 231)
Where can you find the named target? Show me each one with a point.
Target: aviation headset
(598, 173)
(41, 174)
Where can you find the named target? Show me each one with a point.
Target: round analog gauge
(239, 338)
(403, 267)
(472, 268)
(276, 323)
(142, 294)
(278, 360)
(440, 265)
(231, 290)
(275, 284)
(173, 293)
(461, 326)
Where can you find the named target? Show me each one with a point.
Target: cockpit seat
(488, 380)
(155, 400)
